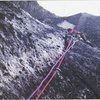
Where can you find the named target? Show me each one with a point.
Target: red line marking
(54, 73)
(49, 72)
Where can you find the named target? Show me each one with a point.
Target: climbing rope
(68, 47)
(54, 72)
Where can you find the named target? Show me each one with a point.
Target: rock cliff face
(35, 10)
(28, 49)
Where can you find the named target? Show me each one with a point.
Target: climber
(68, 37)
(79, 35)
(76, 34)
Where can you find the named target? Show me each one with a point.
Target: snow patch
(65, 25)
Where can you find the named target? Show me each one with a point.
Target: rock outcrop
(29, 48)
(88, 24)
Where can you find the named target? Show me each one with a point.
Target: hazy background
(67, 8)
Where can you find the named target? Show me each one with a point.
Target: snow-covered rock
(29, 49)
(65, 24)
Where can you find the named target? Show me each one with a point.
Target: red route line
(54, 72)
(49, 72)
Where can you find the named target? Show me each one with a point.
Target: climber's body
(72, 33)
(76, 34)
